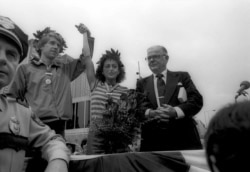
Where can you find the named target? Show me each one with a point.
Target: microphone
(243, 86)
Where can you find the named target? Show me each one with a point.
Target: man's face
(51, 49)
(9, 59)
(157, 60)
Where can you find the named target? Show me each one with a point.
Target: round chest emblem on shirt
(14, 125)
(48, 81)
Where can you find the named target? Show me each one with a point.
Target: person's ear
(41, 48)
(213, 163)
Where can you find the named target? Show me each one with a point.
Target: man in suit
(175, 101)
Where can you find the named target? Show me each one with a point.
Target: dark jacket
(177, 134)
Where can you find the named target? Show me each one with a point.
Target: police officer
(18, 126)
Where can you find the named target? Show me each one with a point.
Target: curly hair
(42, 37)
(110, 55)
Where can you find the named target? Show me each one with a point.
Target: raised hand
(82, 29)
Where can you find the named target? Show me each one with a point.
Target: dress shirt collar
(40, 62)
(164, 73)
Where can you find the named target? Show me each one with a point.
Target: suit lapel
(172, 81)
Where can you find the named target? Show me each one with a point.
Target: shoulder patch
(37, 120)
(14, 125)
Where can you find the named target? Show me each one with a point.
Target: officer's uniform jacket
(19, 128)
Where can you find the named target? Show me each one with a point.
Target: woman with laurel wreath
(104, 85)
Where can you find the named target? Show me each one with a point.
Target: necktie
(161, 88)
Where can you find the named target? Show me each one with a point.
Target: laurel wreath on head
(111, 54)
(40, 34)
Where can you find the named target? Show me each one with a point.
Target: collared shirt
(47, 89)
(179, 112)
(19, 125)
(99, 98)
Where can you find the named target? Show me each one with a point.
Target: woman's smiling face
(110, 69)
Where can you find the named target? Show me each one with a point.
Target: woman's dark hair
(228, 138)
(110, 55)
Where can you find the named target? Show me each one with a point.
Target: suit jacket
(177, 134)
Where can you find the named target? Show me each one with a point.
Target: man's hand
(57, 165)
(158, 115)
(83, 29)
(168, 110)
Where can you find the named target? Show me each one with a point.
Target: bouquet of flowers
(122, 120)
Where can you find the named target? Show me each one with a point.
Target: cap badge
(7, 23)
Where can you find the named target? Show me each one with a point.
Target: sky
(208, 39)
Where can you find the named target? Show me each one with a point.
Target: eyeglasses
(154, 57)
